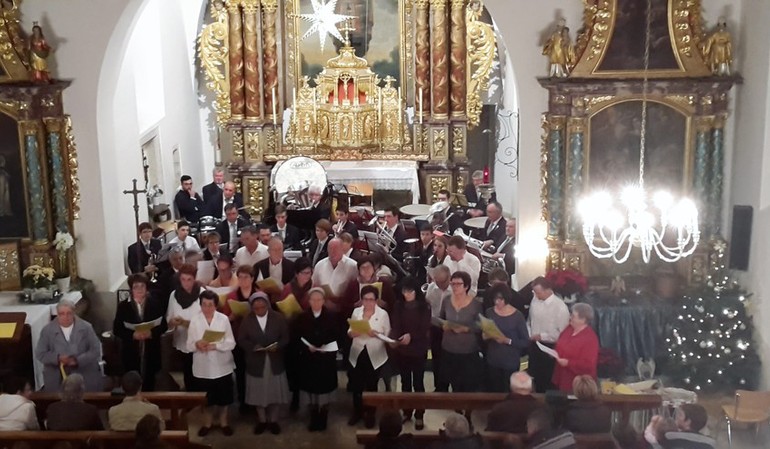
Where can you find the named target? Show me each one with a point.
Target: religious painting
(13, 203)
(625, 51)
(614, 142)
(374, 33)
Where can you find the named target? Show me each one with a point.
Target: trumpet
(154, 275)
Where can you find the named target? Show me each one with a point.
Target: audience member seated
(587, 414)
(147, 433)
(655, 433)
(71, 413)
(690, 419)
(126, 415)
(626, 437)
(543, 435)
(17, 412)
(456, 434)
(578, 348)
(511, 414)
(390, 436)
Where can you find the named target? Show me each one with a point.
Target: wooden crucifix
(135, 192)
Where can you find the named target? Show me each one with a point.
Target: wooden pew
(495, 439)
(624, 404)
(177, 403)
(103, 439)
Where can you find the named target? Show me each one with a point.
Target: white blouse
(175, 310)
(379, 322)
(211, 364)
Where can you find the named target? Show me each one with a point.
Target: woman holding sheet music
(503, 355)
(141, 308)
(182, 306)
(210, 340)
(263, 336)
(369, 326)
(315, 329)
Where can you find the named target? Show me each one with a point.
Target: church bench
(424, 438)
(103, 439)
(624, 404)
(175, 402)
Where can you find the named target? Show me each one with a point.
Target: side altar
(411, 96)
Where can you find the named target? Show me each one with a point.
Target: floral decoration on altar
(567, 283)
(63, 242)
(37, 277)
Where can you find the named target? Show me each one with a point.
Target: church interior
(625, 141)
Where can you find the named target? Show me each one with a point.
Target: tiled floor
(341, 436)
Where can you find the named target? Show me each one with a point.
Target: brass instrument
(439, 216)
(488, 261)
(384, 238)
(153, 259)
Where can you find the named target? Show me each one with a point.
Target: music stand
(15, 320)
(372, 241)
(458, 200)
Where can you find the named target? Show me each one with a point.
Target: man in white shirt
(461, 260)
(438, 291)
(336, 271)
(548, 317)
(183, 238)
(252, 251)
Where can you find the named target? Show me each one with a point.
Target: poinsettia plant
(35, 276)
(567, 282)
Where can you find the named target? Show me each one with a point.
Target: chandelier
(651, 222)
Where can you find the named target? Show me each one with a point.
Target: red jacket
(582, 353)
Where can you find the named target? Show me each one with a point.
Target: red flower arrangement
(567, 282)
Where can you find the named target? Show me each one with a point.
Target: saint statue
(560, 51)
(38, 52)
(718, 50)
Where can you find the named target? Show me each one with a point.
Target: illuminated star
(324, 21)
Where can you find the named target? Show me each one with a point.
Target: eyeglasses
(457, 283)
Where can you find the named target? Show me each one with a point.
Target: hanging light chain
(645, 82)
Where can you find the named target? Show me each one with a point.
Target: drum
(476, 223)
(297, 173)
(206, 225)
(413, 210)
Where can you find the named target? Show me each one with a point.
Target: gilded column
(270, 59)
(237, 101)
(457, 60)
(422, 57)
(703, 130)
(575, 162)
(716, 178)
(440, 56)
(251, 59)
(554, 172)
(54, 128)
(35, 182)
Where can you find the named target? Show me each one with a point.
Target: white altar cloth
(383, 175)
(38, 315)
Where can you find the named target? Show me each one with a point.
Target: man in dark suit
(494, 227)
(215, 205)
(511, 414)
(396, 230)
(233, 222)
(275, 266)
(477, 204)
(139, 252)
(188, 203)
(505, 250)
(343, 223)
(289, 234)
(319, 245)
(216, 187)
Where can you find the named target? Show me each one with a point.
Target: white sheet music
(206, 271)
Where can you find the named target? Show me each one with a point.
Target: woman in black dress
(318, 378)
(140, 308)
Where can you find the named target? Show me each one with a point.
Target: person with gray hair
(456, 434)
(71, 413)
(68, 345)
(511, 414)
(578, 348)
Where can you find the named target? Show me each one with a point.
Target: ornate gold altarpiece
(250, 53)
(606, 78)
(39, 160)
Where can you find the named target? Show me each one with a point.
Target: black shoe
(355, 418)
(275, 429)
(323, 418)
(419, 424)
(227, 431)
(259, 428)
(203, 431)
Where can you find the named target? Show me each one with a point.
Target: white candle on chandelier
(275, 114)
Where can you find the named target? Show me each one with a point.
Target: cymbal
(415, 209)
(477, 222)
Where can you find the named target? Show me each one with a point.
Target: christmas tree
(711, 345)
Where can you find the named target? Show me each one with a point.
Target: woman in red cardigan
(578, 348)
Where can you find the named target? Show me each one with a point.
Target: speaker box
(740, 237)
